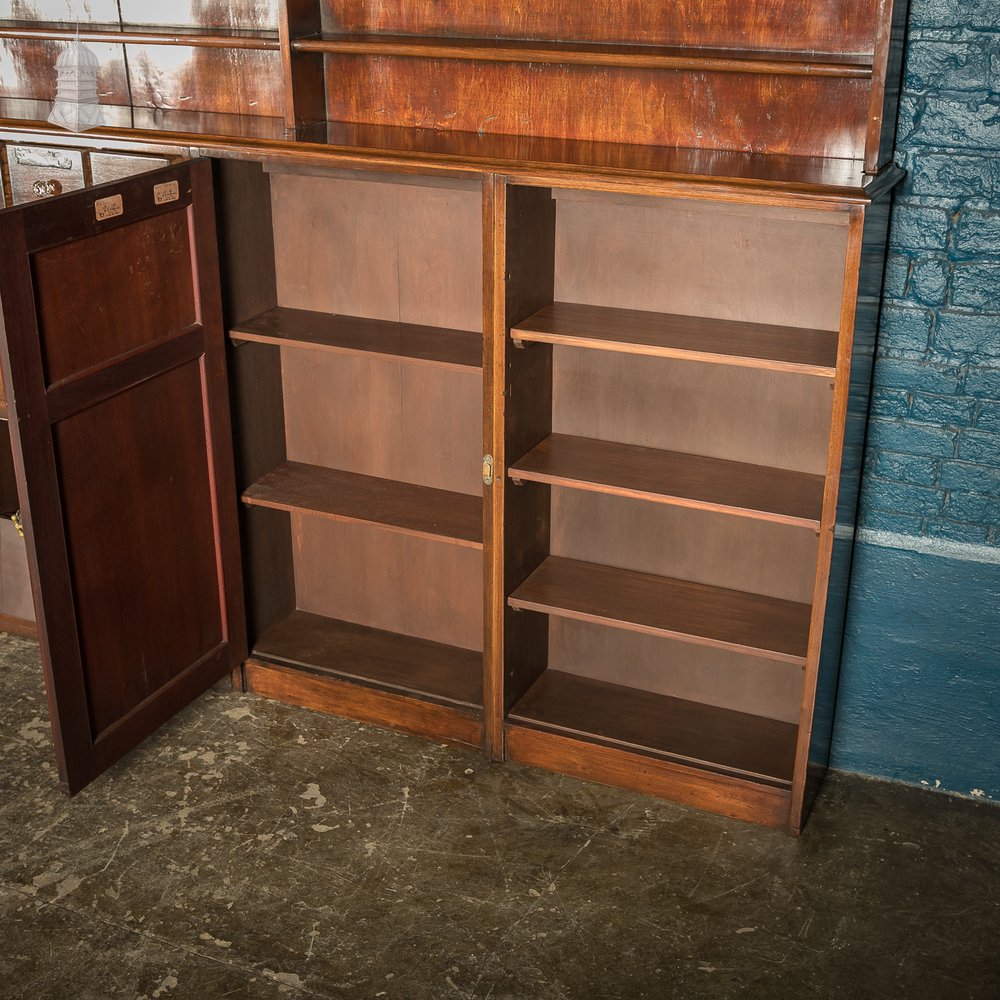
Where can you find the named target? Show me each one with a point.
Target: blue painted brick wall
(933, 466)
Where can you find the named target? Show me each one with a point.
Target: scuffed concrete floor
(254, 850)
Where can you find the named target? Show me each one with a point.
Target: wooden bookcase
(549, 339)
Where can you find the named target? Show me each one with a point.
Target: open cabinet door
(114, 365)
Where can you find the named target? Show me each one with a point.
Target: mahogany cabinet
(497, 374)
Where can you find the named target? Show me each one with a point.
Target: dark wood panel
(302, 73)
(834, 26)
(387, 660)
(589, 761)
(671, 477)
(135, 566)
(686, 731)
(442, 723)
(131, 644)
(9, 502)
(456, 518)
(78, 335)
(692, 338)
(641, 602)
(528, 275)
(805, 116)
(703, 60)
(407, 342)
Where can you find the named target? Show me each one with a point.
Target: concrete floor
(253, 850)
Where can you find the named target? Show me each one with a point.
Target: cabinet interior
(357, 360)
(679, 483)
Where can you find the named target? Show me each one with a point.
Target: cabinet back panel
(716, 549)
(414, 423)
(836, 26)
(15, 587)
(412, 586)
(380, 250)
(799, 115)
(27, 68)
(764, 418)
(232, 82)
(232, 14)
(665, 666)
(754, 264)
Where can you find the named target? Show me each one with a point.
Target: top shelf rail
(855, 67)
(204, 38)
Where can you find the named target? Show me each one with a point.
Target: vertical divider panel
(815, 753)
(529, 283)
(494, 387)
(302, 73)
(246, 243)
(829, 518)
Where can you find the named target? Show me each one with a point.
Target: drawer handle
(46, 189)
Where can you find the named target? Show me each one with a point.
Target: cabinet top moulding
(778, 63)
(204, 38)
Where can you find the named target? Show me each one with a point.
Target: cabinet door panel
(114, 366)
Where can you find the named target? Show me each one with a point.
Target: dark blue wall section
(920, 687)
(920, 683)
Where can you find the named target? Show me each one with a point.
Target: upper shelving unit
(540, 77)
(690, 338)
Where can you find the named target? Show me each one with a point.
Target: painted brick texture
(933, 466)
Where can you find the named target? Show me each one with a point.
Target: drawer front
(41, 172)
(108, 167)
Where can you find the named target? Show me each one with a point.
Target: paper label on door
(164, 193)
(108, 208)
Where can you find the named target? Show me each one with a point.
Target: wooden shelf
(690, 338)
(704, 60)
(347, 496)
(386, 660)
(670, 477)
(677, 609)
(404, 342)
(203, 38)
(688, 732)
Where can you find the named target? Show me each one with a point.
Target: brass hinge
(487, 470)
(16, 519)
